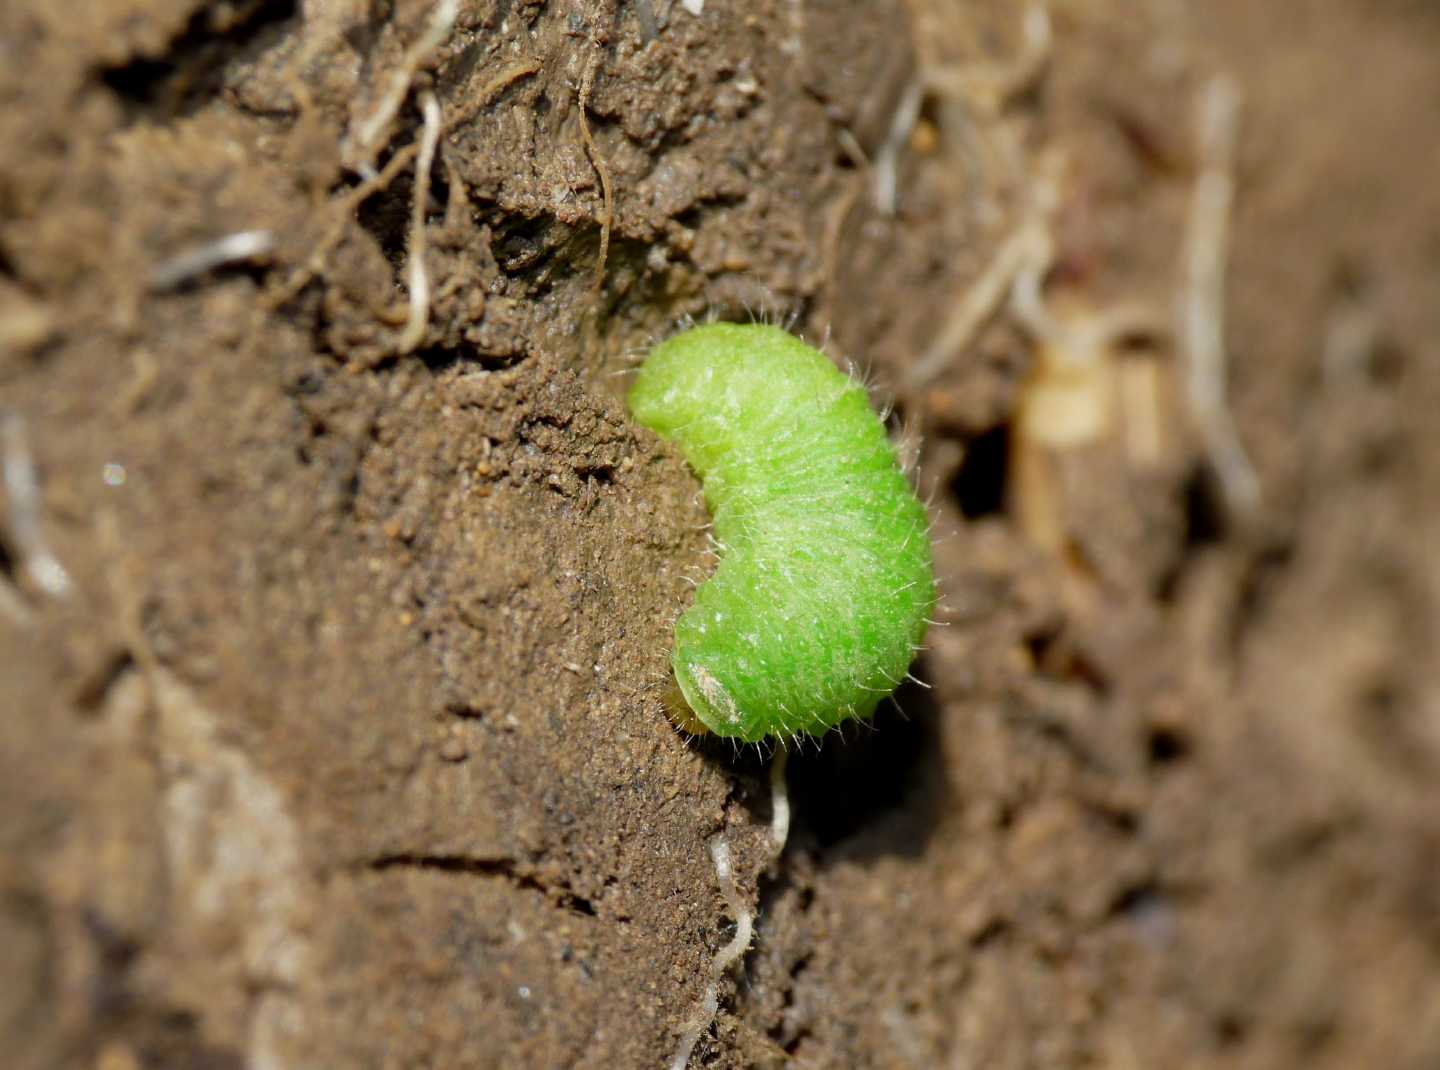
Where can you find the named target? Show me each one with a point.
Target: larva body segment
(825, 580)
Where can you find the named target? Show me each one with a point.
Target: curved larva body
(825, 579)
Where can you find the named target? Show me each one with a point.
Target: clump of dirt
(334, 637)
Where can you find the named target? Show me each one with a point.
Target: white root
(22, 488)
(887, 156)
(419, 281)
(360, 146)
(734, 951)
(232, 248)
(779, 800)
(726, 957)
(1201, 312)
(1024, 257)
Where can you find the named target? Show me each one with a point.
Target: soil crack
(505, 868)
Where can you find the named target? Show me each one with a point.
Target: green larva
(825, 581)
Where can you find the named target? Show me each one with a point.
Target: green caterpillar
(825, 582)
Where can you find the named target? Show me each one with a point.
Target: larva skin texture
(825, 581)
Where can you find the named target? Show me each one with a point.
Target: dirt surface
(333, 646)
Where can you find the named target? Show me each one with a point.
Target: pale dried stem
(360, 147)
(22, 489)
(232, 248)
(1201, 311)
(607, 186)
(887, 156)
(988, 87)
(1016, 270)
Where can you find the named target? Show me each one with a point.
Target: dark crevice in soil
(1255, 588)
(439, 359)
(1137, 899)
(1166, 746)
(190, 73)
(887, 778)
(486, 867)
(1231, 1029)
(693, 218)
(787, 1033)
(95, 688)
(1384, 718)
(1119, 819)
(979, 486)
(160, 1035)
(526, 243)
(385, 215)
(994, 931)
(1203, 512)
(8, 564)
(114, 954)
(1056, 655)
(465, 711)
(307, 384)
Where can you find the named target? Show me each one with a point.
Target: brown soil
(346, 745)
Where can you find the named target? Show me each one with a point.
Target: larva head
(824, 583)
(709, 703)
(678, 709)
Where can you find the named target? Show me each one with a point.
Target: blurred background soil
(333, 642)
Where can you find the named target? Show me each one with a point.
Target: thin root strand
(419, 281)
(22, 488)
(359, 149)
(1202, 301)
(726, 957)
(731, 953)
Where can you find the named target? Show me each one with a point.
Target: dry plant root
(359, 148)
(728, 955)
(1027, 252)
(607, 185)
(1201, 312)
(231, 249)
(341, 209)
(420, 282)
